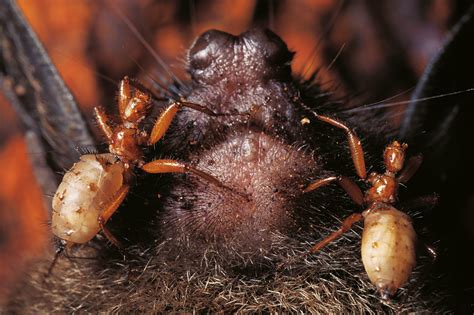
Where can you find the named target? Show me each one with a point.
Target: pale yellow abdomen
(83, 194)
(388, 249)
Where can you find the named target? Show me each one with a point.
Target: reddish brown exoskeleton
(388, 239)
(93, 189)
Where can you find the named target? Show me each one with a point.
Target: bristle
(266, 170)
(87, 150)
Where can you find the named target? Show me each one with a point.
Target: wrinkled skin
(202, 248)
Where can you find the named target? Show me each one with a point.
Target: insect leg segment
(114, 203)
(60, 248)
(201, 108)
(108, 234)
(103, 122)
(346, 226)
(173, 166)
(346, 183)
(355, 145)
(109, 210)
(123, 95)
(164, 121)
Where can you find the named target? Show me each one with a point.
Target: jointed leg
(164, 121)
(201, 108)
(108, 234)
(347, 184)
(103, 122)
(346, 225)
(123, 95)
(62, 246)
(109, 210)
(173, 166)
(355, 145)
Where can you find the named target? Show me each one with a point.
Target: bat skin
(202, 247)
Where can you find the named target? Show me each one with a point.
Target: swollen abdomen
(388, 249)
(83, 195)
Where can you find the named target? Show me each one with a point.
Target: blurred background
(367, 50)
